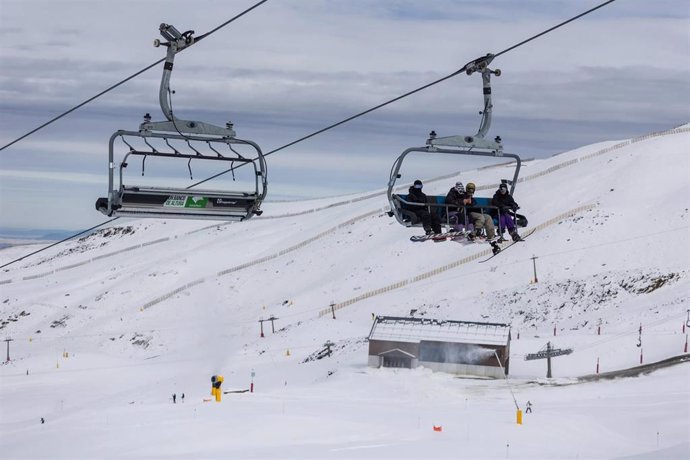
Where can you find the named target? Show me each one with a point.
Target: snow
(155, 307)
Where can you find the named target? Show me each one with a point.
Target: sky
(291, 67)
(107, 328)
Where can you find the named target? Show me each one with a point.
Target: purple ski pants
(506, 221)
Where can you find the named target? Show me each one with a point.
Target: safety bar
(447, 207)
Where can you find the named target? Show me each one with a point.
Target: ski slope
(151, 308)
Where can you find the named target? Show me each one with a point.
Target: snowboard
(501, 249)
(438, 237)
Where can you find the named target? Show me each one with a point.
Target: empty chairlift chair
(184, 141)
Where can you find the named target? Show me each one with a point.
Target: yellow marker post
(519, 417)
(287, 353)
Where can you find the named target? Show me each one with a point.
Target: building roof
(397, 352)
(414, 330)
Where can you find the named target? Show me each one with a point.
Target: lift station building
(456, 347)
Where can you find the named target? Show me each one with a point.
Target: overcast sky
(291, 67)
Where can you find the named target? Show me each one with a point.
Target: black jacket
(454, 198)
(415, 195)
(504, 202)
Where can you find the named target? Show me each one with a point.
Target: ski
(418, 238)
(497, 249)
(438, 237)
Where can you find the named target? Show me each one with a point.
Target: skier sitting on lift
(430, 221)
(505, 202)
(454, 203)
(480, 220)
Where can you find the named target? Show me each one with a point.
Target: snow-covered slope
(151, 308)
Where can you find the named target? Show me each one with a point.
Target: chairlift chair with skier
(477, 145)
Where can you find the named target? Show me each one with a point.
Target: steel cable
(52, 120)
(409, 93)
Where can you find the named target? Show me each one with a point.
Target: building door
(395, 361)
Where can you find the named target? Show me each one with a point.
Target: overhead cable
(52, 120)
(59, 242)
(97, 96)
(428, 85)
(409, 93)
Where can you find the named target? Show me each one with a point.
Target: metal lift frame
(185, 203)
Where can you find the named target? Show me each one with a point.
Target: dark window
(390, 361)
(460, 353)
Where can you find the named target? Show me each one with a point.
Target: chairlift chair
(205, 143)
(477, 145)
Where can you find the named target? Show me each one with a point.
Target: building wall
(454, 358)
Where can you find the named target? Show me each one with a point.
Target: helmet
(470, 187)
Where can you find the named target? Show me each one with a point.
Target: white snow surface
(133, 314)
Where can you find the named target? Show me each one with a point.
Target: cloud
(9, 175)
(292, 67)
